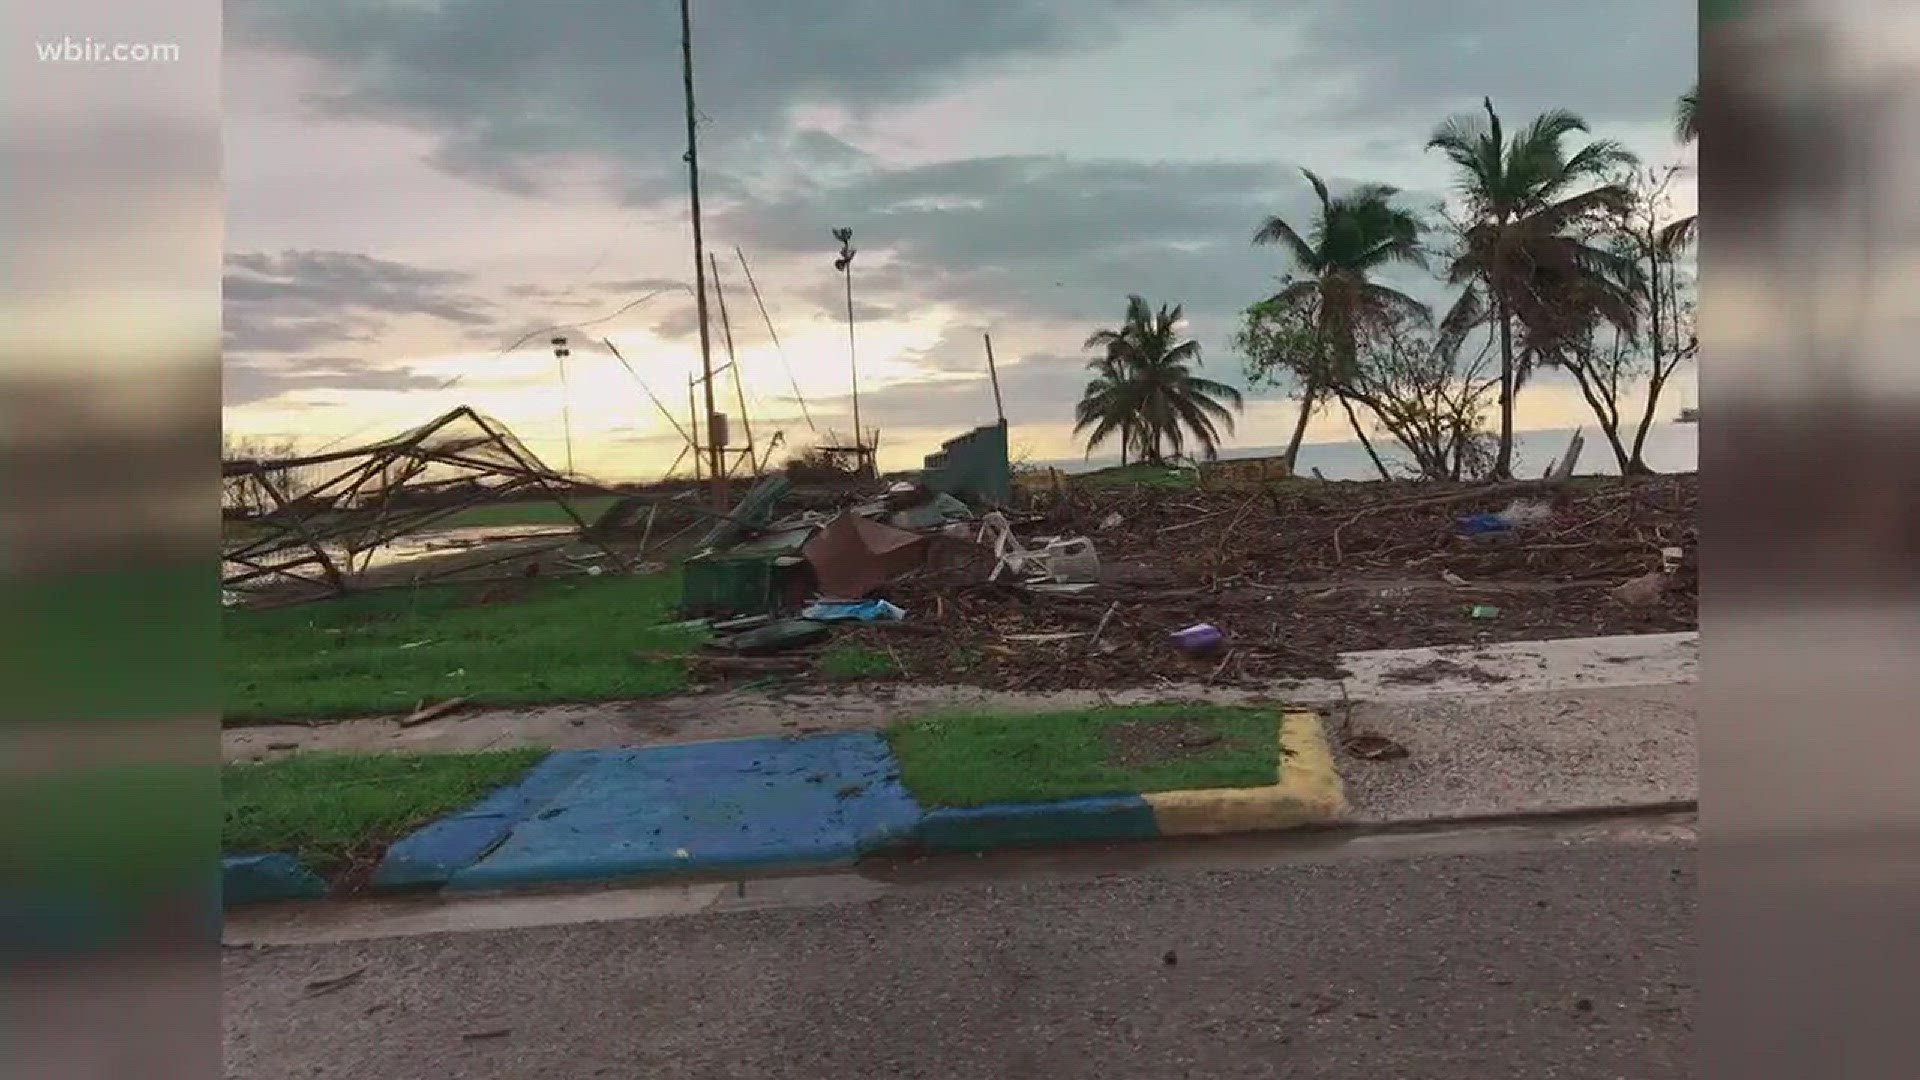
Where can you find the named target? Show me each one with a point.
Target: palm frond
(1474, 151)
(1188, 350)
(1296, 294)
(1598, 160)
(1686, 116)
(1395, 303)
(1548, 129)
(1555, 216)
(1680, 235)
(1463, 317)
(1276, 231)
(1208, 390)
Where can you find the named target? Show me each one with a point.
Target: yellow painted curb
(1310, 791)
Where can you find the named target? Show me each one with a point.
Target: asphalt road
(1561, 962)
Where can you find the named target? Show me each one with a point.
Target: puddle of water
(423, 549)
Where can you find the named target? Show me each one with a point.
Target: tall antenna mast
(715, 469)
(844, 264)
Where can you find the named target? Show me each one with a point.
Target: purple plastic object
(1202, 638)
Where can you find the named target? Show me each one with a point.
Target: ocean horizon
(1671, 448)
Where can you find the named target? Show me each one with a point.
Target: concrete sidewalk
(1381, 675)
(1488, 754)
(1510, 730)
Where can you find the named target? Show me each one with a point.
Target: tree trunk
(1503, 462)
(1636, 465)
(1354, 419)
(1300, 426)
(1607, 413)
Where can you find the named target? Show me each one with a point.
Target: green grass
(1136, 476)
(568, 639)
(972, 759)
(847, 662)
(326, 808)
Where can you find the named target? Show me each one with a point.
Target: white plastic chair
(1060, 559)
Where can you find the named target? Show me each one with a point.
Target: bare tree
(1412, 379)
(1609, 362)
(1430, 398)
(1293, 344)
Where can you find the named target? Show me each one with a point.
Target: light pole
(560, 354)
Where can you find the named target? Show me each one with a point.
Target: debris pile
(1143, 586)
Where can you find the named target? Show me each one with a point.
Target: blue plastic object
(1476, 524)
(853, 611)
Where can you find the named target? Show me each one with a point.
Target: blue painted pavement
(777, 802)
(428, 858)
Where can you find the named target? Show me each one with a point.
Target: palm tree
(1523, 197)
(1352, 236)
(1145, 390)
(1110, 405)
(1686, 130)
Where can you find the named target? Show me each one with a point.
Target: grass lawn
(328, 808)
(565, 639)
(1135, 476)
(972, 759)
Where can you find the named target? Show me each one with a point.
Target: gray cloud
(252, 332)
(308, 282)
(299, 302)
(1625, 60)
(503, 82)
(1046, 239)
(246, 382)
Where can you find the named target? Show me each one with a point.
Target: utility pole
(715, 469)
(844, 264)
(993, 372)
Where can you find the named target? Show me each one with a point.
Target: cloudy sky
(413, 185)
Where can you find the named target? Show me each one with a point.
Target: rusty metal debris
(310, 526)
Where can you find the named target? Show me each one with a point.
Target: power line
(522, 340)
(772, 333)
